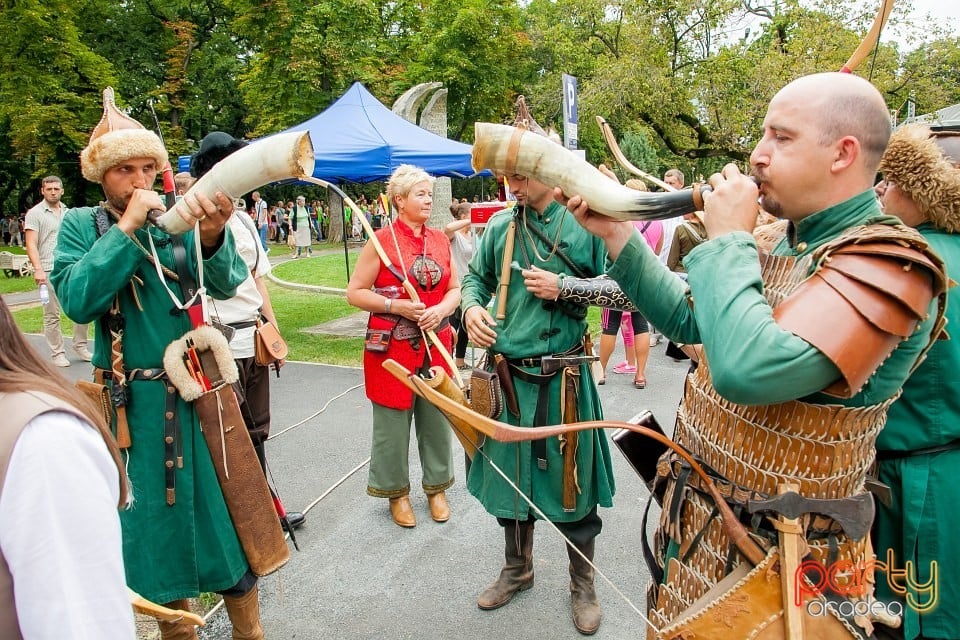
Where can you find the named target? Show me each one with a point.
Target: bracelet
(387, 305)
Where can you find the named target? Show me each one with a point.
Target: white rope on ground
(314, 415)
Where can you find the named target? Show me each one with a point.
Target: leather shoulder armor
(869, 290)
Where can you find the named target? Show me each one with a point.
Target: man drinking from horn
(110, 267)
(804, 352)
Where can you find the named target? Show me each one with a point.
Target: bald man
(786, 347)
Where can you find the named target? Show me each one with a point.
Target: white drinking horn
(279, 157)
(515, 151)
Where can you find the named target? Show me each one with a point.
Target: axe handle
(789, 538)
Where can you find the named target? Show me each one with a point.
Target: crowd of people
(776, 400)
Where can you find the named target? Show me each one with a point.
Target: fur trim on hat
(916, 164)
(114, 147)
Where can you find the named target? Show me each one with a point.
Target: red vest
(426, 262)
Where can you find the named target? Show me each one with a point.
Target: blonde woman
(396, 329)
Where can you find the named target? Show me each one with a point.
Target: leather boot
(244, 612)
(176, 630)
(517, 572)
(402, 512)
(583, 597)
(439, 509)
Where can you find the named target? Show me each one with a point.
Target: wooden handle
(505, 270)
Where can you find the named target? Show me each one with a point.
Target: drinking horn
(283, 156)
(514, 151)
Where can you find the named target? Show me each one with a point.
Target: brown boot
(583, 597)
(176, 630)
(517, 572)
(244, 612)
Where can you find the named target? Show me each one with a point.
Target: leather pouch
(502, 368)
(485, 395)
(100, 395)
(377, 340)
(269, 344)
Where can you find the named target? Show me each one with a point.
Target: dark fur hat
(214, 147)
(917, 165)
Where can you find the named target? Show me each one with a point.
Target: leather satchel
(269, 345)
(485, 396)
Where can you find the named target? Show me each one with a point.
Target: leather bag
(485, 396)
(269, 345)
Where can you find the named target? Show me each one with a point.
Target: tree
(50, 84)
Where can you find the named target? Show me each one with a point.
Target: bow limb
(407, 285)
(871, 39)
(160, 612)
(503, 432)
(622, 159)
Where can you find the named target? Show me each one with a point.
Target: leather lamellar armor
(876, 284)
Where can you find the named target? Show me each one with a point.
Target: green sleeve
(89, 271)
(656, 291)
(752, 360)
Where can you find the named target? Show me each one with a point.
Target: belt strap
(243, 325)
(173, 444)
(926, 451)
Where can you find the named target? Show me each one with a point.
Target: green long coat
(923, 518)
(170, 552)
(535, 327)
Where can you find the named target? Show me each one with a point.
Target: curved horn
(506, 149)
(280, 157)
(622, 159)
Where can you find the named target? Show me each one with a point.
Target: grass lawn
(328, 270)
(15, 284)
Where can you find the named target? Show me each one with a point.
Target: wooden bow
(503, 432)
(871, 39)
(404, 280)
(622, 159)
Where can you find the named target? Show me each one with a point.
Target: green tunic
(752, 360)
(170, 552)
(535, 327)
(923, 518)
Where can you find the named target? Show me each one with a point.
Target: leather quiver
(749, 603)
(244, 486)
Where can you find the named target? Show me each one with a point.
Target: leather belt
(925, 451)
(243, 325)
(543, 393)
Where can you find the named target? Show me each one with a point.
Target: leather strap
(173, 445)
(568, 441)
(510, 167)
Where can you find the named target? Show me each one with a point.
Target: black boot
(517, 572)
(295, 518)
(583, 597)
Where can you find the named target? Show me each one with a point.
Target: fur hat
(214, 147)
(118, 137)
(916, 164)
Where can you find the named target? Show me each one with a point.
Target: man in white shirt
(261, 217)
(41, 228)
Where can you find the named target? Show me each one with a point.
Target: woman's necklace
(533, 244)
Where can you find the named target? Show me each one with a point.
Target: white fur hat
(118, 137)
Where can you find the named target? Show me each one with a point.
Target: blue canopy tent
(358, 139)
